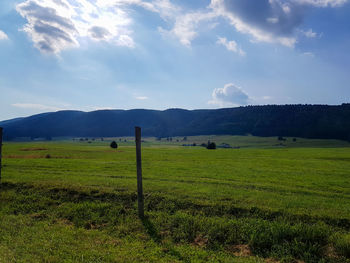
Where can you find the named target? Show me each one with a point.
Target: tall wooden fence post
(139, 172)
(0, 152)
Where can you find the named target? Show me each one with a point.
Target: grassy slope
(79, 205)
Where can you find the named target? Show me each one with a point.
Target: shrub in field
(211, 145)
(114, 145)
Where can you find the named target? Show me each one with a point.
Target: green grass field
(263, 202)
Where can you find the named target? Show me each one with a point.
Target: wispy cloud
(164, 8)
(310, 33)
(230, 45)
(36, 106)
(3, 35)
(186, 26)
(96, 108)
(323, 3)
(141, 98)
(309, 54)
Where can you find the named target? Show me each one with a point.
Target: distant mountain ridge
(308, 121)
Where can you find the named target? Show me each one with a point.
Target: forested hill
(309, 121)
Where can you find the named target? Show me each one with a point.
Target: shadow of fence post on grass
(148, 225)
(151, 229)
(139, 173)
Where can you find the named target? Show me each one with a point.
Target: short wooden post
(0, 152)
(139, 172)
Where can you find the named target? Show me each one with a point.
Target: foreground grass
(227, 205)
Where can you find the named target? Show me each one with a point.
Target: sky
(159, 54)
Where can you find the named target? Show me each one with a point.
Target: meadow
(263, 201)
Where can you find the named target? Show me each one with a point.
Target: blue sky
(159, 54)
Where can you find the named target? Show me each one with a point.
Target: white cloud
(163, 7)
(322, 3)
(263, 28)
(271, 21)
(230, 45)
(3, 35)
(96, 108)
(126, 41)
(141, 98)
(36, 106)
(230, 95)
(186, 26)
(56, 25)
(309, 54)
(310, 34)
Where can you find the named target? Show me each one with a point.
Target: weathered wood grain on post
(0, 152)
(139, 172)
